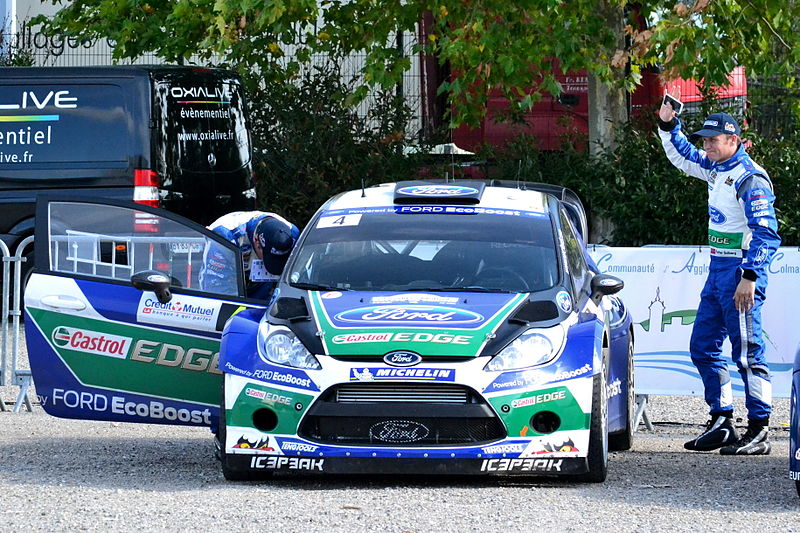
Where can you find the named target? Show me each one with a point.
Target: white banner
(662, 292)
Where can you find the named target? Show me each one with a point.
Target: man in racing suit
(265, 240)
(743, 237)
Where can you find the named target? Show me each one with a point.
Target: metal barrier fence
(12, 307)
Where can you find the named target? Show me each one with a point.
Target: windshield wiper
(315, 287)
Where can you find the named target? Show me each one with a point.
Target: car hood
(445, 324)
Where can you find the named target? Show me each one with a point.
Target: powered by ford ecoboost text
(429, 327)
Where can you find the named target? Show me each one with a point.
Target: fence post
(22, 377)
(4, 319)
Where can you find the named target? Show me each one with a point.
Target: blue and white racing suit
(238, 228)
(743, 237)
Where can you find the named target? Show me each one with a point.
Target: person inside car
(265, 241)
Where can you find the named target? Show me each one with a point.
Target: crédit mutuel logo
(94, 342)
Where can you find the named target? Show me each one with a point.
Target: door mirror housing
(153, 280)
(605, 285)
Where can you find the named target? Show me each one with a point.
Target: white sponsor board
(662, 292)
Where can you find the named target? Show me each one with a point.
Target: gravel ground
(59, 475)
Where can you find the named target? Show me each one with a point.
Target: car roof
(492, 197)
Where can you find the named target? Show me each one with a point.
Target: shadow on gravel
(674, 479)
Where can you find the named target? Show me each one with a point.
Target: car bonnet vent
(537, 311)
(289, 308)
(440, 193)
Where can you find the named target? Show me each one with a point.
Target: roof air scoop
(441, 193)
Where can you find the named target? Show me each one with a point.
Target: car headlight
(277, 344)
(534, 347)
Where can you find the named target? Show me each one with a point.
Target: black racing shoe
(719, 432)
(755, 441)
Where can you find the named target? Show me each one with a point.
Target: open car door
(118, 325)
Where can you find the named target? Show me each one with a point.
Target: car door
(106, 338)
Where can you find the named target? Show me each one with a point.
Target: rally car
(418, 327)
(433, 328)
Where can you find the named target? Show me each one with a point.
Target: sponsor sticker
(294, 446)
(438, 190)
(414, 374)
(267, 396)
(441, 338)
(409, 315)
(338, 221)
(330, 295)
(516, 447)
(564, 301)
(184, 311)
(540, 398)
(121, 405)
(94, 342)
(415, 298)
(521, 465)
(275, 462)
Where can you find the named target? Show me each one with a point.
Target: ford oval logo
(409, 314)
(398, 431)
(438, 190)
(716, 215)
(402, 358)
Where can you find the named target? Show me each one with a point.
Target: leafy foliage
(641, 196)
(489, 44)
(310, 143)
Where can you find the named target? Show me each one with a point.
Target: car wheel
(624, 439)
(230, 473)
(597, 456)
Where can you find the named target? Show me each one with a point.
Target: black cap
(276, 241)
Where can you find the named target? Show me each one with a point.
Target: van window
(204, 126)
(48, 125)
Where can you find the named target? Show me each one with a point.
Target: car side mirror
(605, 285)
(153, 280)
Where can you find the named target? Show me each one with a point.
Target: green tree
(489, 44)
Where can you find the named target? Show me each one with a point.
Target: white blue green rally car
(418, 327)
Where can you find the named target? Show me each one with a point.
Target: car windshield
(381, 250)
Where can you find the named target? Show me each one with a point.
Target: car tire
(597, 455)
(230, 473)
(624, 439)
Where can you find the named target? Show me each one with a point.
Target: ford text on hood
(433, 327)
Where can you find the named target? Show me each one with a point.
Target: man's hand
(665, 112)
(745, 295)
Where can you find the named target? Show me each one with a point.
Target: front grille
(401, 414)
(401, 392)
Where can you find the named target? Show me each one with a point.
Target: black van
(169, 136)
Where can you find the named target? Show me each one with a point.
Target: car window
(43, 125)
(396, 252)
(203, 126)
(112, 242)
(578, 267)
